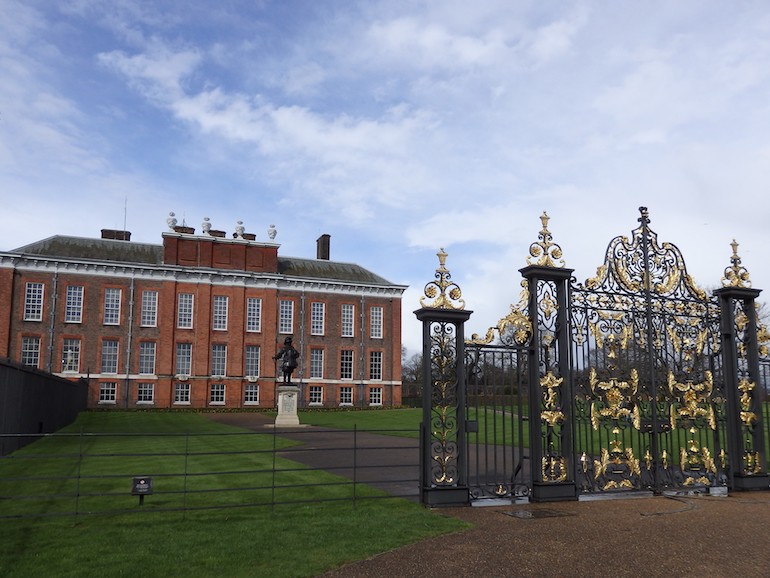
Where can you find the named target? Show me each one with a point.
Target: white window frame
(145, 393)
(317, 318)
(185, 309)
(33, 301)
(147, 354)
(217, 394)
(149, 317)
(253, 314)
(346, 364)
(346, 395)
(251, 359)
(375, 396)
(375, 322)
(71, 355)
(316, 363)
(30, 351)
(251, 394)
(183, 362)
(110, 356)
(113, 297)
(73, 309)
(316, 395)
(375, 365)
(108, 392)
(181, 393)
(218, 360)
(219, 310)
(286, 316)
(348, 320)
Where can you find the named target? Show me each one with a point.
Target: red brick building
(195, 322)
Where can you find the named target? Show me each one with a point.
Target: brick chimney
(322, 247)
(116, 235)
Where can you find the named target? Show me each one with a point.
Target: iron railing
(73, 474)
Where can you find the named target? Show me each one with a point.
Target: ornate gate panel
(650, 399)
(496, 408)
(634, 380)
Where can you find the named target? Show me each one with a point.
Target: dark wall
(35, 402)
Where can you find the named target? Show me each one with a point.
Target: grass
(161, 539)
(403, 422)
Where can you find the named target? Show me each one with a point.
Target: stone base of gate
(438, 497)
(554, 492)
(755, 482)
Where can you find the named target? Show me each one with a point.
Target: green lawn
(400, 422)
(160, 538)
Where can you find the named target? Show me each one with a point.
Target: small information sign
(142, 486)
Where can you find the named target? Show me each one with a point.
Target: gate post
(740, 347)
(443, 447)
(550, 385)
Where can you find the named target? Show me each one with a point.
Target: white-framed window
(286, 316)
(33, 302)
(112, 298)
(316, 394)
(251, 355)
(110, 350)
(108, 392)
(375, 396)
(375, 322)
(147, 357)
(346, 395)
(145, 393)
(149, 316)
(316, 363)
(219, 321)
(184, 310)
(73, 309)
(317, 318)
(346, 364)
(30, 351)
(182, 393)
(254, 314)
(183, 358)
(218, 360)
(347, 323)
(217, 394)
(251, 394)
(375, 365)
(71, 355)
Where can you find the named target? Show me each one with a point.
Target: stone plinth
(288, 396)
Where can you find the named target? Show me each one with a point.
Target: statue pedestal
(288, 395)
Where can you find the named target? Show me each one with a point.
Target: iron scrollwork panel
(444, 431)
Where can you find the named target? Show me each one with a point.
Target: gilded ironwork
(515, 328)
(617, 395)
(662, 271)
(444, 403)
(695, 400)
(736, 274)
(552, 413)
(446, 294)
(547, 253)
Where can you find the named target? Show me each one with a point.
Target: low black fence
(71, 474)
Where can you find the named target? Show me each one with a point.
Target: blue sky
(397, 127)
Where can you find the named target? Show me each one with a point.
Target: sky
(397, 127)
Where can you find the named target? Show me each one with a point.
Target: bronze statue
(289, 356)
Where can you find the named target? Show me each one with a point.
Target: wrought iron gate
(635, 380)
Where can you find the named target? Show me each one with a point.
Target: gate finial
(438, 288)
(544, 250)
(736, 274)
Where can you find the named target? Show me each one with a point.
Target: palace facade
(195, 322)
